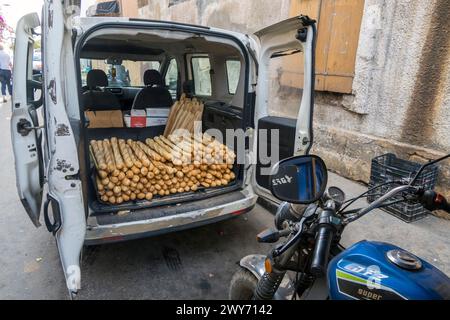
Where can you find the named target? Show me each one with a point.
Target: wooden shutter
(338, 28)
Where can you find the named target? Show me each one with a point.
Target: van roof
(93, 21)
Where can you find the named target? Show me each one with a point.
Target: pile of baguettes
(133, 170)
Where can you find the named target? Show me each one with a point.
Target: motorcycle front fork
(268, 285)
(270, 281)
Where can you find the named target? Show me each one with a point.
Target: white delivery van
(88, 65)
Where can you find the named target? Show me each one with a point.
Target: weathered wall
(401, 90)
(401, 87)
(236, 15)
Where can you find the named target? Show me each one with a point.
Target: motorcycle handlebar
(444, 205)
(377, 203)
(324, 237)
(432, 200)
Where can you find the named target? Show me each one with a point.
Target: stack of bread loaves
(183, 115)
(134, 170)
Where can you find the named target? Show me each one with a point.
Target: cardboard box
(146, 118)
(158, 112)
(104, 119)
(154, 121)
(138, 119)
(149, 122)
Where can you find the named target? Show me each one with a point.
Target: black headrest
(96, 78)
(188, 88)
(152, 78)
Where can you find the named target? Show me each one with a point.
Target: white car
(53, 168)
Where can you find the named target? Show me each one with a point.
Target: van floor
(169, 210)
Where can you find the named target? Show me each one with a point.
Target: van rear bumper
(218, 209)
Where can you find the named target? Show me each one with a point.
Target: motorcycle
(311, 264)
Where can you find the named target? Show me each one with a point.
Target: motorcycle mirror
(300, 179)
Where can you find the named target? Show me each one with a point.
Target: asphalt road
(193, 264)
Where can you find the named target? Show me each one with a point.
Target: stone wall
(236, 15)
(401, 91)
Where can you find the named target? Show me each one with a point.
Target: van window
(201, 72)
(121, 74)
(34, 72)
(171, 79)
(149, 65)
(284, 93)
(233, 73)
(30, 91)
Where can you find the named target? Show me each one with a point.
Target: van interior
(129, 69)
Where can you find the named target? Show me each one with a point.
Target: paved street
(194, 264)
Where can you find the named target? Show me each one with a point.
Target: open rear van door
(281, 135)
(63, 210)
(25, 132)
(65, 202)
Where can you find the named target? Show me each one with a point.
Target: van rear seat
(96, 98)
(154, 95)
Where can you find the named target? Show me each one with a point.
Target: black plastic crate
(387, 168)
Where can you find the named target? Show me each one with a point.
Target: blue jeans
(5, 78)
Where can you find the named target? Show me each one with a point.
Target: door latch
(24, 127)
(305, 141)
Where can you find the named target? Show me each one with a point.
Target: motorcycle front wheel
(243, 285)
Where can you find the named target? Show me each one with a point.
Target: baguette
(99, 155)
(117, 156)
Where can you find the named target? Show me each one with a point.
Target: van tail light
(239, 212)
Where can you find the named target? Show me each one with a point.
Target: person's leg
(8, 82)
(3, 87)
(3, 81)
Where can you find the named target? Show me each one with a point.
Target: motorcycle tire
(243, 285)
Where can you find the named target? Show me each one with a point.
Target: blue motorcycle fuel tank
(381, 271)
